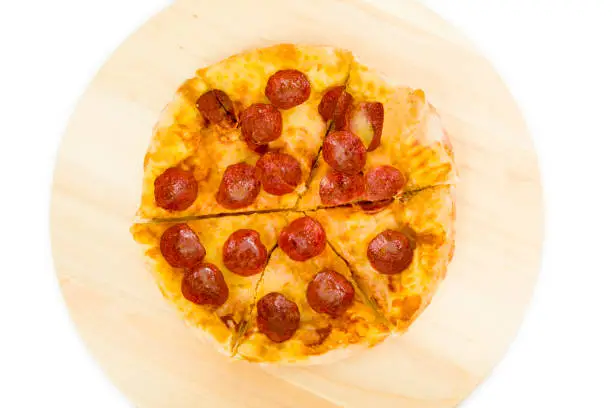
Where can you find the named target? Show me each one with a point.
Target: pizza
(296, 207)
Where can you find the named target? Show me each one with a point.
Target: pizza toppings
(244, 254)
(261, 123)
(280, 173)
(343, 110)
(344, 152)
(288, 88)
(383, 183)
(205, 285)
(329, 102)
(277, 317)
(239, 187)
(175, 189)
(330, 292)
(181, 247)
(217, 108)
(338, 188)
(366, 121)
(390, 252)
(327, 106)
(303, 239)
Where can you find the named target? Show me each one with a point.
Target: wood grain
(137, 338)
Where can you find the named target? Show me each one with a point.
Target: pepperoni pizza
(297, 207)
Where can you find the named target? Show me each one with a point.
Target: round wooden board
(138, 339)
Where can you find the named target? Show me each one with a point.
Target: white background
(555, 56)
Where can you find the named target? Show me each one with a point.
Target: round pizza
(297, 207)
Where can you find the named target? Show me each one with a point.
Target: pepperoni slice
(343, 110)
(261, 123)
(217, 108)
(277, 317)
(336, 105)
(340, 188)
(366, 121)
(330, 292)
(280, 173)
(288, 88)
(383, 183)
(244, 254)
(181, 247)
(239, 187)
(303, 239)
(327, 106)
(390, 252)
(205, 285)
(175, 189)
(344, 152)
(370, 207)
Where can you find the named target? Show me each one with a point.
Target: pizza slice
(386, 141)
(209, 269)
(243, 134)
(399, 255)
(308, 309)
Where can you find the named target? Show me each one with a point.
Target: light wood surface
(138, 339)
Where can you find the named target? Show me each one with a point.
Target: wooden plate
(138, 339)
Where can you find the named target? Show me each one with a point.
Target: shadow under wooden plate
(136, 337)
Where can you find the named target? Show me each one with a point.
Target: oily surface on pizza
(297, 207)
